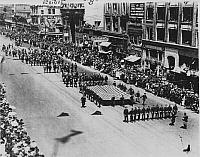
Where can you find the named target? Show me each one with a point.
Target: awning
(106, 44)
(132, 58)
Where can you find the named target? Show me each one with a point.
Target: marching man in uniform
(144, 98)
(83, 100)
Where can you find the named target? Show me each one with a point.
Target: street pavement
(40, 98)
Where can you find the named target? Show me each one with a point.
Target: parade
(108, 89)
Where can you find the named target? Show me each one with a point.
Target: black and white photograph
(99, 78)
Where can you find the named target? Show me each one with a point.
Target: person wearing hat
(144, 98)
(126, 115)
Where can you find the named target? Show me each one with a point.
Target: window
(108, 24)
(114, 7)
(149, 13)
(49, 11)
(42, 11)
(173, 35)
(161, 34)
(149, 33)
(108, 7)
(186, 37)
(53, 11)
(161, 13)
(173, 14)
(187, 14)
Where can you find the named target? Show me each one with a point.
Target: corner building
(170, 37)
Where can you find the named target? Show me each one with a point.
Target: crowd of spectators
(111, 64)
(14, 141)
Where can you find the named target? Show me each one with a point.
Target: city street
(40, 97)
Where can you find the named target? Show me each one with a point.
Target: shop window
(149, 33)
(186, 37)
(149, 13)
(49, 11)
(154, 54)
(187, 14)
(115, 24)
(53, 11)
(161, 34)
(42, 11)
(161, 13)
(108, 24)
(171, 62)
(173, 14)
(173, 35)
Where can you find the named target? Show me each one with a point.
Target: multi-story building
(22, 10)
(48, 17)
(125, 19)
(170, 38)
(72, 16)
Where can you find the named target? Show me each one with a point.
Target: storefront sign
(52, 2)
(153, 47)
(99, 39)
(66, 5)
(137, 9)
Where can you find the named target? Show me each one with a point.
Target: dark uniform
(83, 100)
(122, 100)
(173, 118)
(137, 95)
(131, 115)
(144, 98)
(135, 113)
(143, 113)
(126, 115)
(157, 111)
(165, 111)
(169, 111)
(161, 111)
(152, 112)
(148, 111)
(139, 112)
(175, 109)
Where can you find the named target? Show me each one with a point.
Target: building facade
(22, 10)
(48, 18)
(125, 18)
(170, 37)
(72, 16)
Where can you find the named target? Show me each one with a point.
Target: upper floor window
(160, 34)
(53, 11)
(114, 7)
(107, 9)
(149, 13)
(161, 13)
(49, 11)
(173, 35)
(150, 33)
(187, 37)
(187, 14)
(173, 14)
(42, 11)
